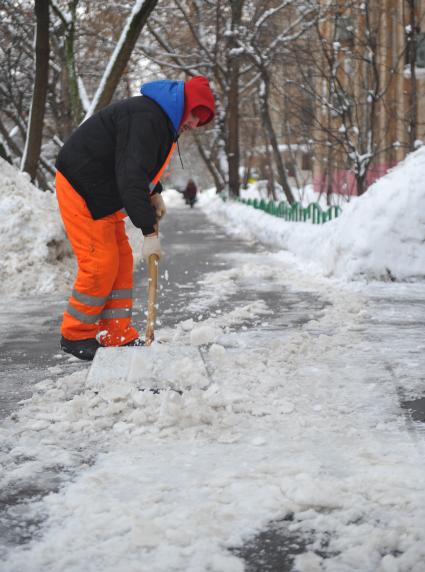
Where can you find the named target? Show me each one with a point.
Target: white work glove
(151, 245)
(158, 204)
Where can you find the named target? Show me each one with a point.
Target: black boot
(82, 349)
(134, 343)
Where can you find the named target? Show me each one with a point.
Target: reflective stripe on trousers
(89, 300)
(101, 300)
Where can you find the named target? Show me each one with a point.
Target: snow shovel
(152, 367)
(152, 288)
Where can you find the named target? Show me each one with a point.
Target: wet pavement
(29, 343)
(273, 549)
(416, 409)
(29, 351)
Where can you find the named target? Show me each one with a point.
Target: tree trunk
(211, 166)
(271, 190)
(76, 107)
(329, 176)
(249, 158)
(233, 135)
(413, 111)
(9, 141)
(361, 184)
(35, 124)
(268, 126)
(121, 55)
(232, 151)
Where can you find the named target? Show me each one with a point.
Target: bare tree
(40, 107)
(233, 64)
(259, 42)
(121, 54)
(192, 41)
(35, 125)
(235, 44)
(412, 30)
(356, 68)
(268, 70)
(66, 51)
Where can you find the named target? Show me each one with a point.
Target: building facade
(370, 104)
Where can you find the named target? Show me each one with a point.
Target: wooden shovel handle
(152, 288)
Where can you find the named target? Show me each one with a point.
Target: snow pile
(36, 256)
(382, 234)
(173, 198)
(379, 236)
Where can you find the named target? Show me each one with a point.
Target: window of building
(341, 103)
(290, 168)
(344, 30)
(419, 38)
(306, 162)
(420, 50)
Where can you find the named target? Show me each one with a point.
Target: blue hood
(169, 95)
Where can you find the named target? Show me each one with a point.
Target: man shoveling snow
(110, 167)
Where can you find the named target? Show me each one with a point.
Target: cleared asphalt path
(29, 326)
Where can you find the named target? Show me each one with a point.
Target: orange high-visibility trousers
(101, 300)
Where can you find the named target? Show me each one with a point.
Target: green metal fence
(296, 212)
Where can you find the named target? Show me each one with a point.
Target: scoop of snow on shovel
(201, 335)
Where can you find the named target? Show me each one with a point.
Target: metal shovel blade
(159, 367)
(152, 367)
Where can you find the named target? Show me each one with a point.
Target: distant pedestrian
(110, 167)
(190, 193)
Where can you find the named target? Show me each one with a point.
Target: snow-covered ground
(379, 236)
(301, 419)
(36, 255)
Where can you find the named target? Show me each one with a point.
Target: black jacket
(113, 156)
